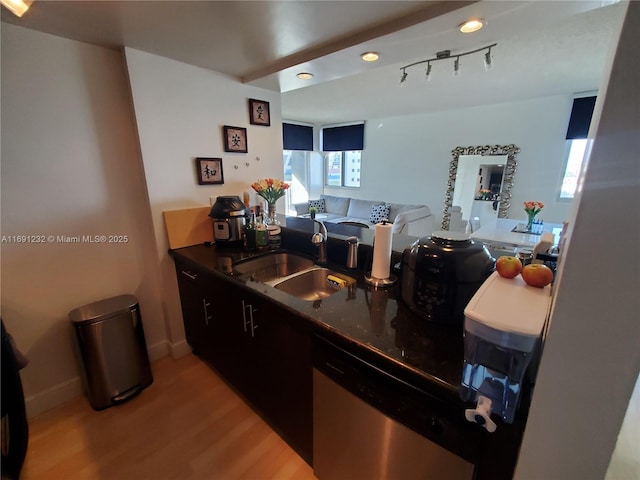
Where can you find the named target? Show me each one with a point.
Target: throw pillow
(379, 213)
(317, 204)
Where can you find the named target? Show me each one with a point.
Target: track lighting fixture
(446, 55)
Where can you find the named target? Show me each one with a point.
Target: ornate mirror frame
(507, 183)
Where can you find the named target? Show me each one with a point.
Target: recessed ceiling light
(370, 56)
(305, 76)
(17, 7)
(472, 25)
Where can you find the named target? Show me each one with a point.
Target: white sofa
(416, 220)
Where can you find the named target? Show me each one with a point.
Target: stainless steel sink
(271, 266)
(313, 284)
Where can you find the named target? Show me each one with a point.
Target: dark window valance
(297, 137)
(580, 120)
(343, 139)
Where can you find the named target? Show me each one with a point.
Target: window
(342, 168)
(303, 172)
(574, 159)
(342, 146)
(577, 142)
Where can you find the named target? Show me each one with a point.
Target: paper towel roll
(382, 251)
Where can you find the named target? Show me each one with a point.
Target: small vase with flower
(271, 189)
(532, 208)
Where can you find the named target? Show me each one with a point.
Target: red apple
(508, 267)
(537, 275)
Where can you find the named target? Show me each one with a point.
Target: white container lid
(509, 306)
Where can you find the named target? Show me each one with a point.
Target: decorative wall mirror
(480, 174)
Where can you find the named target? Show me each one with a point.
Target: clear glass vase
(271, 218)
(531, 217)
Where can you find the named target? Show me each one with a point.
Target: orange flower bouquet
(532, 209)
(270, 189)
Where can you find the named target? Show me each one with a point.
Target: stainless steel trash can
(113, 350)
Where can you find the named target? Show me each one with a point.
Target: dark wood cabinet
(262, 350)
(196, 306)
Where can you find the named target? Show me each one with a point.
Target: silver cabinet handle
(244, 315)
(207, 317)
(253, 326)
(245, 321)
(192, 276)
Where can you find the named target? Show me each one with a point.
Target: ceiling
(544, 48)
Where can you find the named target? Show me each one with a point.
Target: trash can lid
(103, 308)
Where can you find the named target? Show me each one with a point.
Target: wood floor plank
(187, 425)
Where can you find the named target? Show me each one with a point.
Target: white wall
(591, 358)
(406, 159)
(180, 111)
(70, 166)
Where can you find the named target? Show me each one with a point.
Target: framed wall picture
(235, 139)
(209, 171)
(259, 112)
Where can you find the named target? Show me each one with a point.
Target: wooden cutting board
(188, 226)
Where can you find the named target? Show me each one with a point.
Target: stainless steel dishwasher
(361, 418)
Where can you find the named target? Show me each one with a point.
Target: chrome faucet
(320, 240)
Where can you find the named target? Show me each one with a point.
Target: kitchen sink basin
(271, 266)
(315, 284)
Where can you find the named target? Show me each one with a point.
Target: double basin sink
(294, 274)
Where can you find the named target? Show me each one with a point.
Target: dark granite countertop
(369, 320)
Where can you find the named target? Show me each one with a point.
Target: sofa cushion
(336, 205)
(319, 205)
(379, 213)
(361, 208)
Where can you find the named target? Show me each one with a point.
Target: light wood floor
(188, 424)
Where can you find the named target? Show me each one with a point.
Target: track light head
(488, 60)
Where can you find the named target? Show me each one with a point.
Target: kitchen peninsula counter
(370, 320)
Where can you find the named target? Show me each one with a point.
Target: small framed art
(209, 171)
(235, 139)
(259, 112)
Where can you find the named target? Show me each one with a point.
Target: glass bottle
(262, 238)
(250, 233)
(275, 236)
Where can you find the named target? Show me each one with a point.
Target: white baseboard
(62, 392)
(52, 397)
(158, 350)
(180, 349)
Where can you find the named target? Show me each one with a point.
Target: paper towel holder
(390, 279)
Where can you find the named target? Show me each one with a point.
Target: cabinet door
(229, 339)
(196, 307)
(281, 368)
